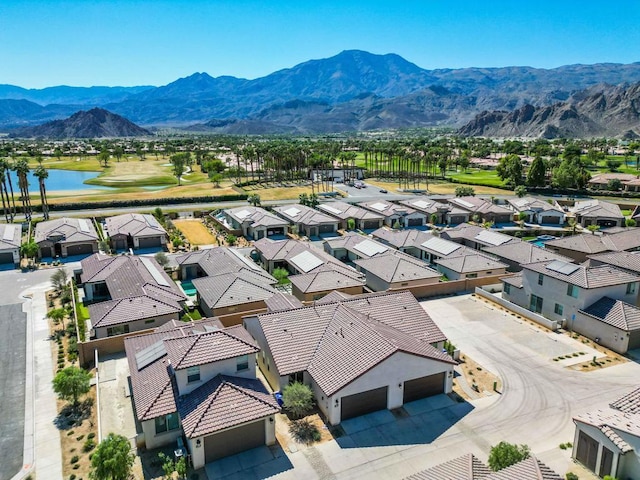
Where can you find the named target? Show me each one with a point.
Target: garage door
(275, 231)
(365, 402)
(79, 249)
(587, 451)
(415, 222)
(121, 244)
(234, 441)
(149, 242)
(6, 257)
(45, 252)
(327, 228)
(550, 220)
(423, 387)
(371, 224)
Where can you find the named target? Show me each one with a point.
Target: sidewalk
(41, 437)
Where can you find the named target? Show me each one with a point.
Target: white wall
(210, 370)
(264, 357)
(392, 372)
(153, 440)
(608, 335)
(136, 326)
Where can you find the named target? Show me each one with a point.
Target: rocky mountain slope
(599, 111)
(94, 123)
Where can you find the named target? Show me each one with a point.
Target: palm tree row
(7, 196)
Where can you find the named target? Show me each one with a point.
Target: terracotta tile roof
(388, 209)
(533, 204)
(282, 301)
(70, 229)
(224, 402)
(295, 335)
(625, 260)
(401, 238)
(470, 263)
(326, 278)
(478, 205)
(334, 297)
(396, 266)
(529, 469)
(616, 313)
(585, 243)
(629, 403)
(586, 277)
(134, 224)
(523, 252)
(354, 243)
(426, 205)
(345, 211)
(304, 216)
(596, 208)
(223, 260)
(207, 347)
(466, 467)
(627, 239)
(231, 289)
(515, 280)
(125, 310)
(256, 216)
(479, 235)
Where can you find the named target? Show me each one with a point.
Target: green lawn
(478, 177)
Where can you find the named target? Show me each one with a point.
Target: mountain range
(354, 90)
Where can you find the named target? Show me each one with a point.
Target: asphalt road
(13, 325)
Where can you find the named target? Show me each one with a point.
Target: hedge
(141, 202)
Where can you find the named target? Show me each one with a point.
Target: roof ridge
(116, 302)
(241, 389)
(215, 394)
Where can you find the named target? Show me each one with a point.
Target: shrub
(505, 454)
(91, 435)
(88, 445)
(74, 459)
(571, 476)
(298, 399)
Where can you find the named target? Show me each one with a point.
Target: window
(119, 330)
(242, 363)
(558, 309)
(536, 304)
(167, 423)
(153, 320)
(540, 279)
(507, 288)
(632, 287)
(489, 272)
(193, 374)
(472, 275)
(572, 291)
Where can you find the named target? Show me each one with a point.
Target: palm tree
(22, 169)
(7, 168)
(41, 173)
(6, 211)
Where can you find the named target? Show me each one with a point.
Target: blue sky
(154, 42)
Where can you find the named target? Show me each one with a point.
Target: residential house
(558, 290)
(128, 293)
(363, 219)
(597, 212)
(579, 247)
(359, 355)
(469, 467)
(516, 254)
(134, 231)
(607, 440)
(10, 241)
(325, 279)
(442, 213)
(186, 381)
(396, 270)
(436, 248)
(477, 237)
(395, 214)
(475, 265)
(338, 175)
(482, 210)
(601, 180)
(537, 211)
(64, 237)
(254, 222)
(308, 221)
(407, 241)
(629, 261)
(353, 246)
(219, 261)
(614, 323)
(282, 301)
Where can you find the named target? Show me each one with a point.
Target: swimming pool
(189, 289)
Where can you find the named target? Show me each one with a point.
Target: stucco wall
(453, 275)
(607, 335)
(210, 370)
(153, 440)
(138, 325)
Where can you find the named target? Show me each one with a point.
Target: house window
(536, 304)
(242, 363)
(572, 291)
(507, 288)
(558, 309)
(193, 374)
(153, 320)
(540, 279)
(119, 330)
(167, 423)
(632, 287)
(472, 275)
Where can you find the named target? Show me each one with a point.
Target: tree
(593, 228)
(59, 279)
(162, 259)
(22, 170)
(231, 239)
(103, 158)
(614, 184)
(72, 382)
(112, 459)
(171, 466)
(215, 178)
(630, 222)
(463, 191)
(297, 399)
(282, 275)
(520, 191)
(42, 174)
(537, 173)
(351, 224)
(29, 249)
(179, 160)
(613, 164)
(510, 169)
(254, 199)
(570, 174)
(506, 454)
(57, 315)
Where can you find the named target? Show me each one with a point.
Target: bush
(297, 399)
(571, 476)
(74, 459)
(88, 445)
(505, 454)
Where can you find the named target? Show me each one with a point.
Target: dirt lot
(441, 188)
(195, 231)
(474, 374)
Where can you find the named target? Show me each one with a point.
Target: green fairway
(478, 177)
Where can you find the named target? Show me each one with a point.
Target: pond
(60, 180)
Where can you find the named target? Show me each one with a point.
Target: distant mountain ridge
(605, 110)
(94, 123)
(354, 90)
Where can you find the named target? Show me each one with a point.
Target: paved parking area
(13, 325)
(116, 408)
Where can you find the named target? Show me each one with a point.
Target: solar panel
(379, 206)
(560, 266)
(330, 209)
(153, 270)
(492, 238)
(9, 232)
(292, 212)
(150, 354)
(84, 225)
(465, 203)
(242, 214)
(370, 248)
(306, 261)
(441, 246)
(422, 204)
